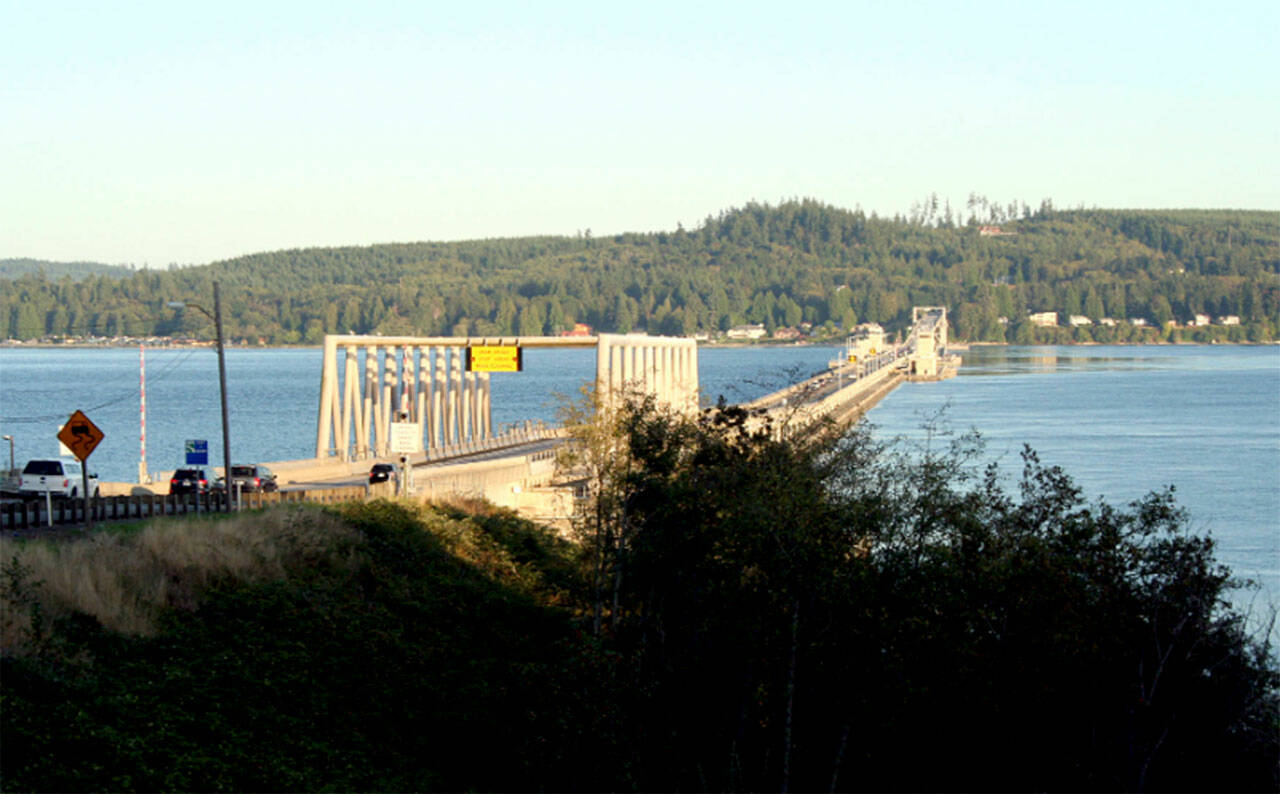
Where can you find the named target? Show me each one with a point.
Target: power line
(128, 395)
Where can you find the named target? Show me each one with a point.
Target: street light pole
(222, 382)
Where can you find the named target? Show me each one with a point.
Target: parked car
(60, 477)
(249, 478)
(186, 481)
(381, 472)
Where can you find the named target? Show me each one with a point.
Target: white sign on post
(406, 437)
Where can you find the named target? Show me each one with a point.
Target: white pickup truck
(58, 477)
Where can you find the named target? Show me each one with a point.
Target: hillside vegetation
(798, 262)
(736, 613)
(55, 271)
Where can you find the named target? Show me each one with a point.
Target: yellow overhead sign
(495, 358)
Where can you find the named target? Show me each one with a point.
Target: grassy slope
(379, 648)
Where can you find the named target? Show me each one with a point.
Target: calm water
(1122, 421)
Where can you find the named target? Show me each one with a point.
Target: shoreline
(958, 345)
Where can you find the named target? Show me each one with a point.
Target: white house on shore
(754, 331)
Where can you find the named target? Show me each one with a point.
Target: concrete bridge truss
(423, 380)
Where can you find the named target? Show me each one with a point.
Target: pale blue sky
(170, 132)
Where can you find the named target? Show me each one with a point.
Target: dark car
(186, 481)
(249, 478)
(381, 472)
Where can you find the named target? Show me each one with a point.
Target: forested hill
(783, 266)
(16, 268)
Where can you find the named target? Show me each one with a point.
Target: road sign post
(82, 437)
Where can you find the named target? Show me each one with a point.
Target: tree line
(798, 262)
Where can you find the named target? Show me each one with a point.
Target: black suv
(251, 478)
(185, 481)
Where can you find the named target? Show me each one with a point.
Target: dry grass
(127, 580)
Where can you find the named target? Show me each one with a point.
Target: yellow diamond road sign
(80, 435)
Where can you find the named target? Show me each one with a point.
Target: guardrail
(71, 512)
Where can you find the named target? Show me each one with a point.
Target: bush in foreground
(739, 613)
(818, 614)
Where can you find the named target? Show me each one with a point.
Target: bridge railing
(36, 515)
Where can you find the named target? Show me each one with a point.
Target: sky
(159, 133)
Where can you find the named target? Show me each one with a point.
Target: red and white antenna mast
(142, 390)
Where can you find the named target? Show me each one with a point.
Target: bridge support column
(365, 441)
(468, 404)
(386, 405)
(422, 397)
(437, 398)
(604, 355)
(325, 435)
(446, 397)
(486, 407)
(613, 385)
(455, 396)
(350, 417)
(662, 367)
(408, 402)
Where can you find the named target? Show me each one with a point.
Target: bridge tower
(929, 340)
(425, 380)
(664, 367)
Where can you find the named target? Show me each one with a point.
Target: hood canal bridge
(425, 403)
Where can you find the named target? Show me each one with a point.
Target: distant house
(1077, 320)
(1200, 320)
(1043, 319)
(755, 331)
(579, 329)
(786, 333)
(1229, 319)
(993, 231)
(1107, 321)
(1138, 322)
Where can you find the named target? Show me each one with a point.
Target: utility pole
(222, 389)
(216, 316)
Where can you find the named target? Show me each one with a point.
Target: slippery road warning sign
(80, 435)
